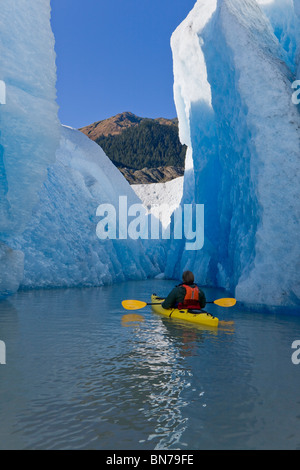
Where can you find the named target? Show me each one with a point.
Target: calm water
(77, 377)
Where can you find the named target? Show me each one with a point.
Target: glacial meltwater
(79, 375)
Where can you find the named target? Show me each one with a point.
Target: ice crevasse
(53, 178)
(234, 65)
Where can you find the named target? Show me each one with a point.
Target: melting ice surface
(29, 128)
(53, 178)
(234, 64)
(60, 244)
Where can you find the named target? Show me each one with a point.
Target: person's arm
(171, 300)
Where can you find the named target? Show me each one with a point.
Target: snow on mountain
(233, 71)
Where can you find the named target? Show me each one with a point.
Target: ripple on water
(77, 378)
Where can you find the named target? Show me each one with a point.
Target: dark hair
(188, 277)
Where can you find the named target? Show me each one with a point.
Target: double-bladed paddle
(138, 304)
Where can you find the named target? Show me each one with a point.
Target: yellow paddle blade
(133, 304)
(225, 302)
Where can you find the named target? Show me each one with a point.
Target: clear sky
(115, 56)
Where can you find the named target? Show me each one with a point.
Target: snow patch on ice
(165, 195)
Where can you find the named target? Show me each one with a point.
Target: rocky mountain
(152, 175)
(145, 150)
(115, 125)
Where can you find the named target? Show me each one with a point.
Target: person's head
(188, 277)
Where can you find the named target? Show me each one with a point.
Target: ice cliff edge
(234, 64)
(29, 126)
(52, 178)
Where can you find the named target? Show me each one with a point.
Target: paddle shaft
(155, 304)
(160, 303)
(138, 304)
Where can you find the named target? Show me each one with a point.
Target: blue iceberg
(60, 243)
(234, 65)
(235, 62)
(53, 178)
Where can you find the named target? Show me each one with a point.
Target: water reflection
(159, 376)
(131, 319)
(78, 378)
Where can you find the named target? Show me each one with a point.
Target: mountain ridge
(115, 125)
(145, 150)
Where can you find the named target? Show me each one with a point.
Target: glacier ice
(28, 120)
(284, 17)
(234, 64)
(60, 244)
(11, 272)
(53, 178)
(29, 127)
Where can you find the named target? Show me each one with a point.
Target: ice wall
(60, 244)
(11, 270)
(284, 17)
(53, 178)
(29, 127)
(232, 88)
(28, 121)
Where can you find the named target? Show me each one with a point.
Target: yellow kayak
(198, 318)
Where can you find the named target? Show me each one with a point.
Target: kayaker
(186, 295)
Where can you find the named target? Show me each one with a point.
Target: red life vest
(191, 299)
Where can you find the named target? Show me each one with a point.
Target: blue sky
(115, 56)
